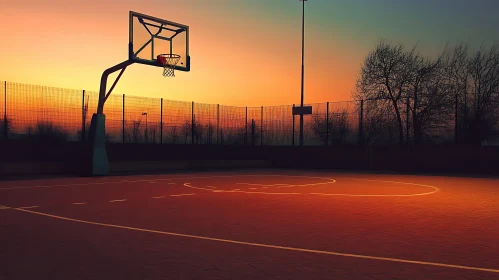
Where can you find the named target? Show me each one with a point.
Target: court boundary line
(262, 245)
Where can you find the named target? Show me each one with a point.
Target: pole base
(99, 162)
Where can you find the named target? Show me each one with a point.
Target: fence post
(261, 129)
(161, 123)
(123, 120)
(456, 135)
(246, 127)
(293, 132)
(83, 115)
(361, 123)
(192, 123)
(252, 132)
(5, 121)
(218, 122)
(327, 123)
(407, 120)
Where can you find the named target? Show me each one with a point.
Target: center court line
(117, 200)
(157, 197)
(79, 203)
(296, 249)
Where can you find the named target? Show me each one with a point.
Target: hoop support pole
(103, 83)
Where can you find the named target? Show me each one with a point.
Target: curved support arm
(103, 83)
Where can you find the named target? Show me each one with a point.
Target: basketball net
(169, 61)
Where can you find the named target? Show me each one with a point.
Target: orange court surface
(255, 224)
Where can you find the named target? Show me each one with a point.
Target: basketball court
(266, 224)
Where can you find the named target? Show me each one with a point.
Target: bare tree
(186, 130)
(386, 74)
(431, 104)
(334, 129)
(174, 133)
(484, 93)
(5, 126)
(136, 137)
(473, 80)
(379, 124)
(198, 132)
(152, 132)
(320, 127)
(210, 132)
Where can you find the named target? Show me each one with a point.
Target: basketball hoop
(169, 61)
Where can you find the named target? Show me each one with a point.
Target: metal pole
(407, 121)
(293, 132)
(123, 119)
(161, 123)
(261, 129)
(253, 132)
(218, 122)
(456, 136)
(327, 123)
(361, 123)
(83, 116)
(246, 127)
(5, 121)
(302, 68)
(192, 123)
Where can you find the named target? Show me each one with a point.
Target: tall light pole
(302, 67)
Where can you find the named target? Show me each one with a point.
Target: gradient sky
(243, 52)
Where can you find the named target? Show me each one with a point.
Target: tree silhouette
(174, 134)
(333, 129)
(386, 74)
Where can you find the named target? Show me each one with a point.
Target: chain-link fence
(40, 112)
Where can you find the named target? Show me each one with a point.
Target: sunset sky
(243, 52)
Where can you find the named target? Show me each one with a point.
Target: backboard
(150, 37)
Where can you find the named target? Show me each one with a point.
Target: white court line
(251, 175)
(254, 184)
(164, 179)
(435, 189)
(79, 203)
(152, 182)
(29, 207)
(237, 191)
(270, 246)
(182, 194)
(157, 197)
(4, 208)
(291, 185)
(117, 200)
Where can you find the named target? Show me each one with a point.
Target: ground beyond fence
(34, 112)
